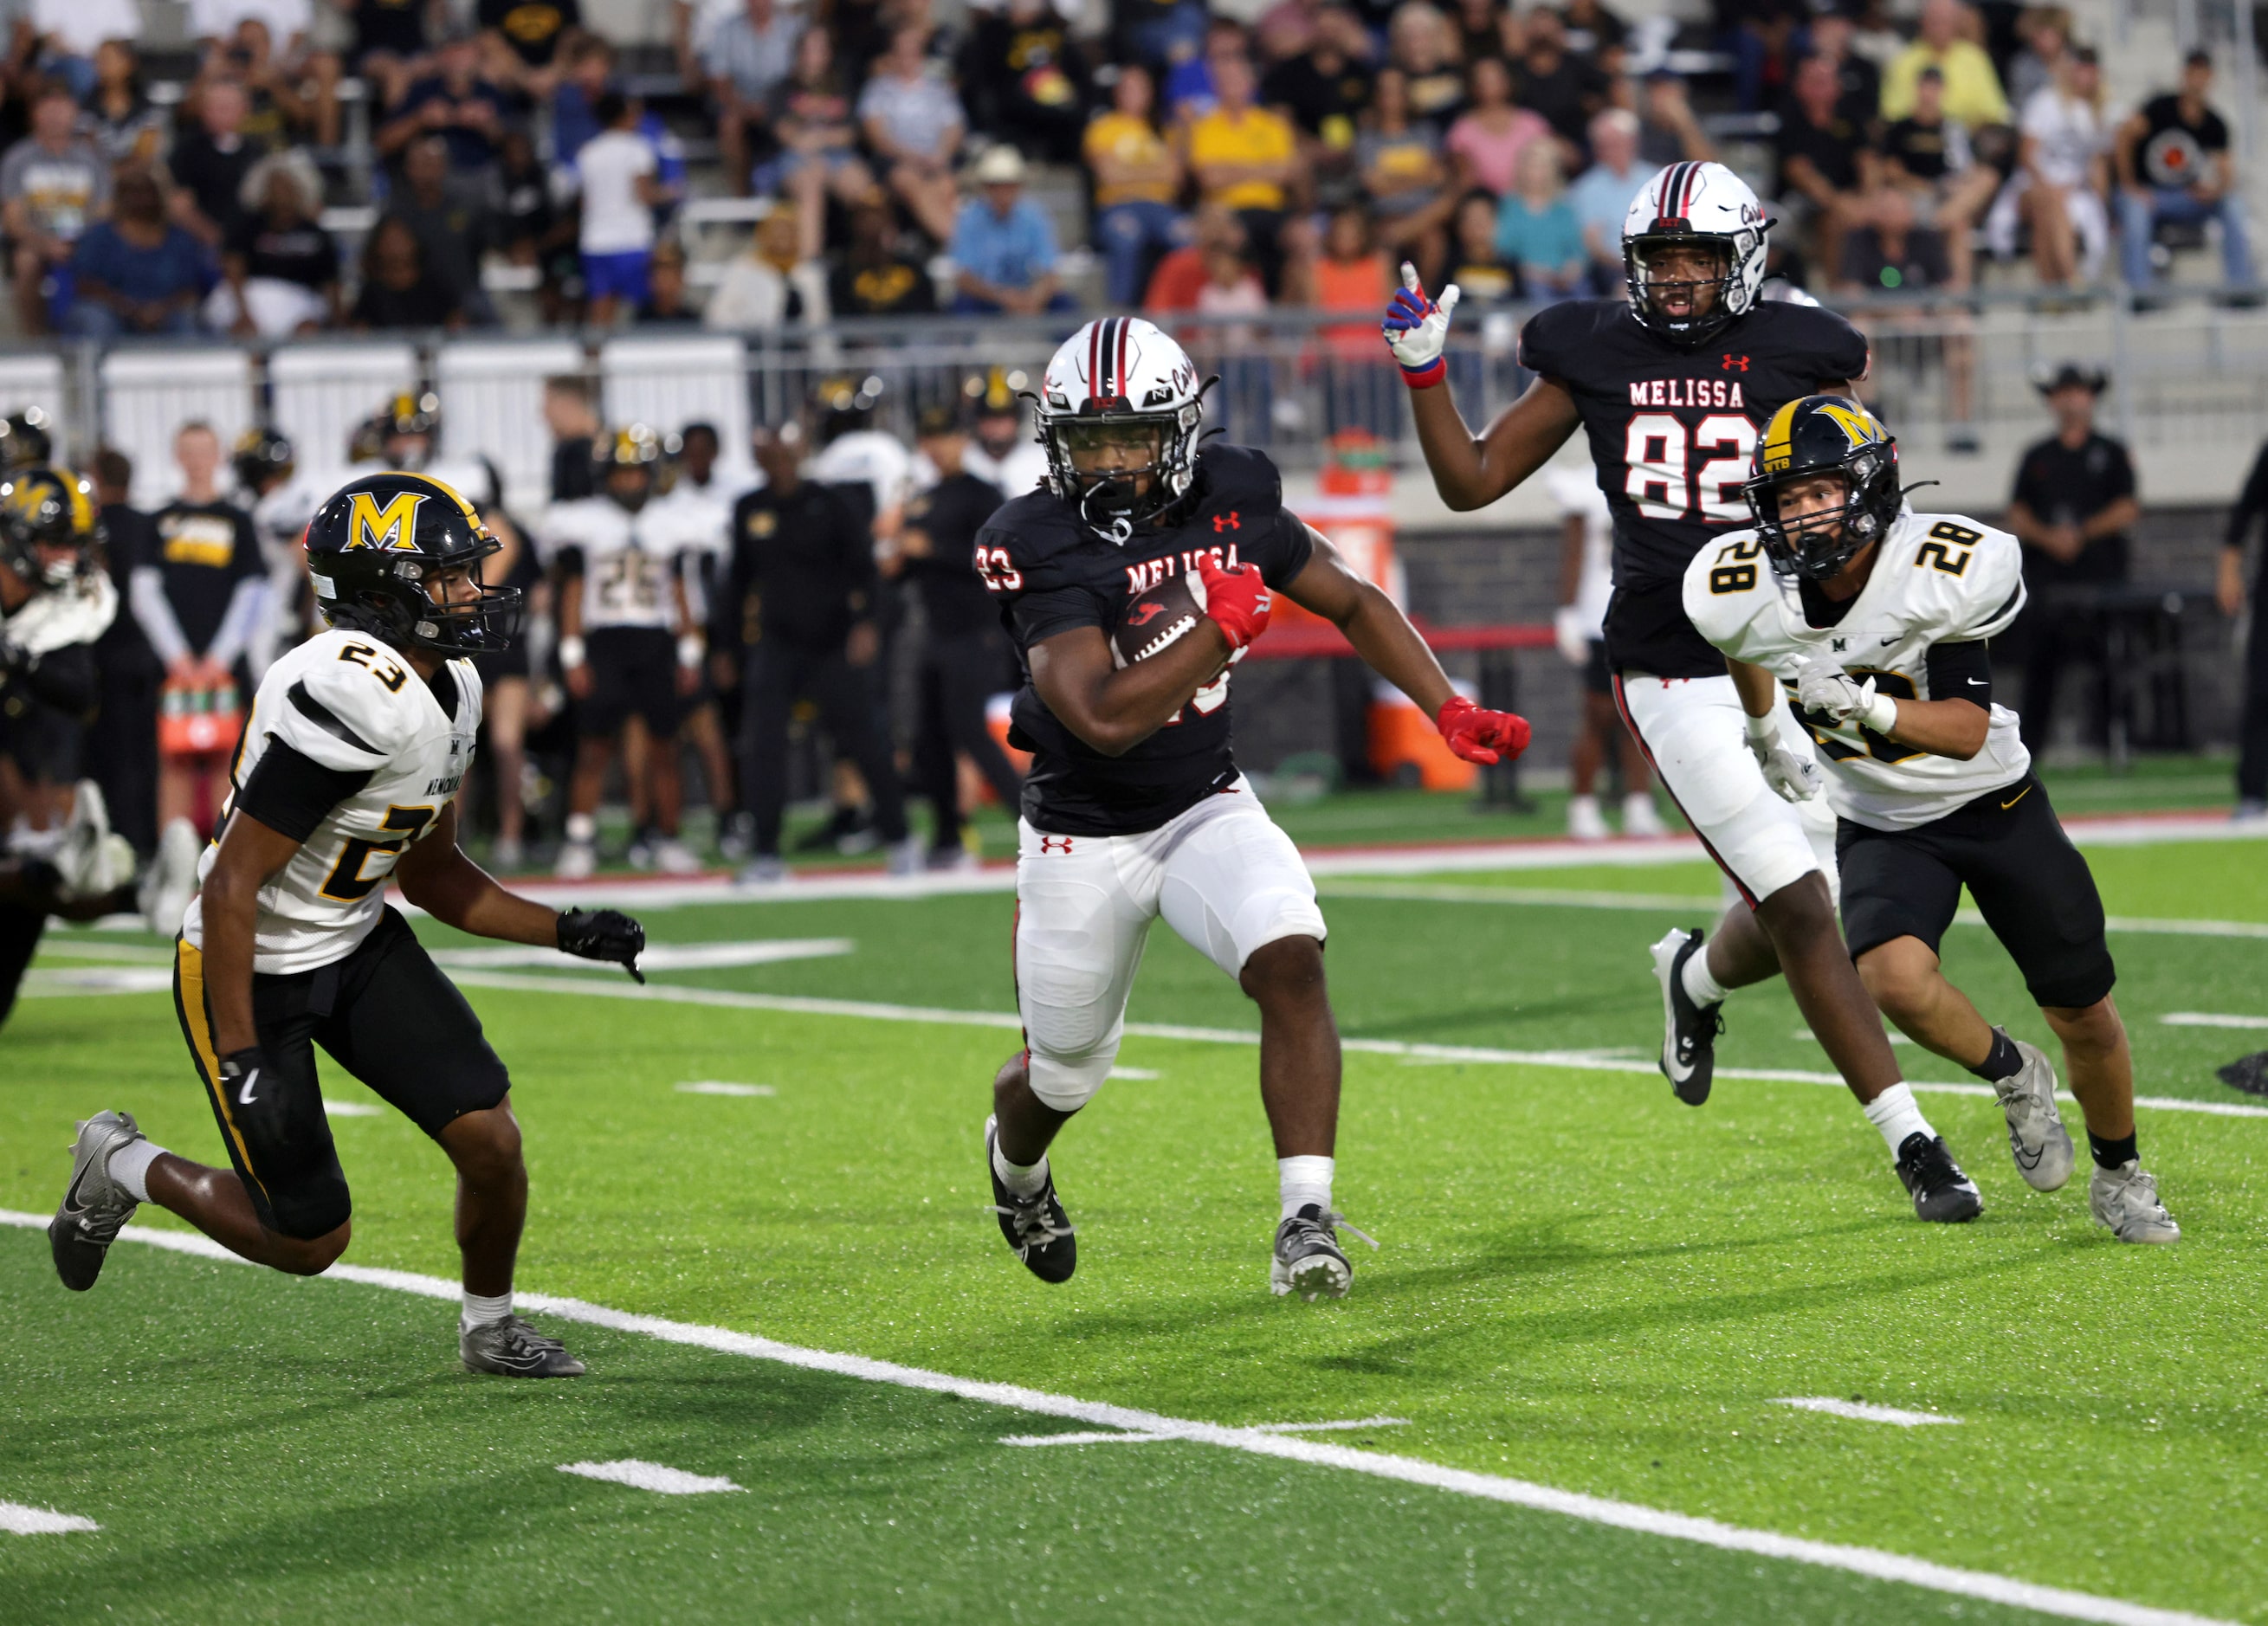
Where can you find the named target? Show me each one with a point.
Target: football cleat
(1942, 1193)
(510, 1348)
(1309, 1259)
(577, 861)
(95, 1208)
(2126, 1200)
(672, 857)
(1689, 1038)
(171, 881)
(2036, 1137)
(1037, 1230)
(92, 862)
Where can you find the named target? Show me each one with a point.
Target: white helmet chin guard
(1112, 380)
(1685, 205)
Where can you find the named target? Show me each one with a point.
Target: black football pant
(121, 751)
(2252, 752)
(956, 677)
(778, 675)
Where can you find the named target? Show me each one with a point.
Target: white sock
(1024, 1179)
(130, 1166)
(1700, 986)
(1303, 1181)
(582, 828)
(1896, 1114)
(479, 1311)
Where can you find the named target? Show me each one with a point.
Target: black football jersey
(1052, 574)
(1672, 431)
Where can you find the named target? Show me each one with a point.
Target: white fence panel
(492, 407)
(147, 395)
(669, 383)
(322, 392)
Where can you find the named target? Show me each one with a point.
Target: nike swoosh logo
(72, 1204)
(1888, 642)
(1976, 683)
(2018, 797)
(243, 1096)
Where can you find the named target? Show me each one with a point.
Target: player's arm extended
(437, 876)
(1115, 711)
(229, 900)
(1471, 472)
(1954, 728)
(1372, 622)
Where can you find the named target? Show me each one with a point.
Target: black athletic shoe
(1035, 1226)
(1689, 1035)
(510, 1348)
(95, 1207)
(1941, 1191)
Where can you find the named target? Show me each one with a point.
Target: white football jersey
(867, 457)
(349, 703)
(695, 523)
(59, 617)
(1024, 470)
(1577, 492)
(628, 559)
(1940, 578)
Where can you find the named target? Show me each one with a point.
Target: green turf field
(1582, 1285)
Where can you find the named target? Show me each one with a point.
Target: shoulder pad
(1034, 529)
(343, 699)
(1824, 339)
(1728, 584)
(1982, 596)
(61, 617)
(1238, 477)
(1553, 337)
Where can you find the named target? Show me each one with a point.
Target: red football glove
(1479, 736)
(1237, 600)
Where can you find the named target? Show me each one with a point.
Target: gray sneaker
(2126, 1200)
(510, 1348)
(1308, 1258)
(2036, 1137)
(95, 1208)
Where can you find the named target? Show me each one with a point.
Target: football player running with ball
(1132, 582)
(1670, 382)
(1873, 619)
(346, 774)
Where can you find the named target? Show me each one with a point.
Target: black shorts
(633, 673)
(42, 741)
(2029, 883)
(386, 1014)
(1598, 676)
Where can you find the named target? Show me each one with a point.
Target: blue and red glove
(1417, 330)
(1478, 736)
(1238, 601)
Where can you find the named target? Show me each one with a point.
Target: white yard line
(1863, 1561)
(2207, 1019)
(859, 1010)
(1858, 1412)
(718, 1086)
(17, 1519)
(351, 1110)
(1114, 1438)
(649, 1477)
(659, 956)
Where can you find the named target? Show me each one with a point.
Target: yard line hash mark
(649, 1477)
(1858, 1412)
(17, 1519)
(1113, 1437)
(718, 1086)
(2207, 1019)
(350, 1109)
(1866, 1561)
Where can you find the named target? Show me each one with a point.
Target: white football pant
(1223, 876)
(1695, 733)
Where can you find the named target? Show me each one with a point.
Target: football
(1155, 619)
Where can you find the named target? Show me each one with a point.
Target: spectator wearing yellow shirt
(1245, 159)
(1137, 178)
(1973, 96)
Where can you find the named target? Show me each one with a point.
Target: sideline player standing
(1134, 807)
(348, 772)
(1670, 383)
(1874, 618)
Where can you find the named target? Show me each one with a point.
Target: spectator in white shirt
(2061, 178)
(616, 169)
(746, 57)
(914, 125)
(770, 285)
(69, 30)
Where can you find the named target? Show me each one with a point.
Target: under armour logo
(1735, 364)
(1226, 522)
(1048, 843)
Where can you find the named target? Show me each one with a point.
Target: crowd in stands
(1206, 149)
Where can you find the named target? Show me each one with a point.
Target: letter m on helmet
(393, 528)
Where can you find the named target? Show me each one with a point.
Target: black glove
(246, 1078)
(603, 934)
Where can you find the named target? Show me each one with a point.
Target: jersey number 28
(1660, 453)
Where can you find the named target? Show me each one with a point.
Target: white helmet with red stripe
(1118, 414)
(1689, 206)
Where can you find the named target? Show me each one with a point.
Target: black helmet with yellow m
(1814, 438)
(633, 447)
(49, 526)
(390, 555)
(263, 456)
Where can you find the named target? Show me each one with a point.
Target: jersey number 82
(1660, 450)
